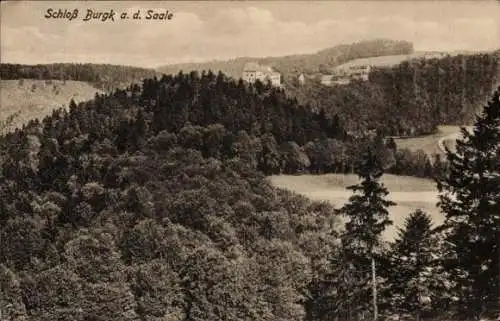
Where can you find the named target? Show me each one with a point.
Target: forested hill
(151, 203)
(102, 76)
(278, 134)
(118, 209)
(293, 65)
(411, 98)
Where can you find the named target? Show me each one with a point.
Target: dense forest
(412, 98)
(291, 66)
(102, 76)
(151, 203)
(287, 137)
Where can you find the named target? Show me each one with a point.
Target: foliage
(469, 197)
(101, 75)
(348, 284)
(151, 203)
(109, 213)
(418, 286)
(7, 123)
(367, 211)
(409, 99)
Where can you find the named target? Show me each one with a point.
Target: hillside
(102, 76)
(33, 91)
(293, 65)
(295, 138)
(120, 210)
(390, 60)
(411, 98)
(394, 60)
(30, 99)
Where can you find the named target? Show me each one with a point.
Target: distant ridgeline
(411, 98)
(102, 76)
(293, 65)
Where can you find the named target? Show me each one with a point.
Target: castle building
(254, 71)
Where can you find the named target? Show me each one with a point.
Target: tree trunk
(374, 289)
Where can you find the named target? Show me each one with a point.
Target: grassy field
(409, 193)
(37, 98)
(391, 60)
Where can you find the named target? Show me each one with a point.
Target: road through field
(434, 143)
(450, 140)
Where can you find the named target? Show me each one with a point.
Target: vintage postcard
(250, 160)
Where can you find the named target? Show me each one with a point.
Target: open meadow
(389, 60)
(409, 193)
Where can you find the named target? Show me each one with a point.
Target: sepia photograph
(250, 160)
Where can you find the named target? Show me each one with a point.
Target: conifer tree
(72, 105)
(368, 217)
(469, 197)
(416, 282)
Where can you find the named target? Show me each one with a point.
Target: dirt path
(452, 137)
(431, 144)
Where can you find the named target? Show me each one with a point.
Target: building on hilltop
(253, 72)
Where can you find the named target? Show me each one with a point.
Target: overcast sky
(218, 30)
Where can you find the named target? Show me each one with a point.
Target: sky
(208, 30)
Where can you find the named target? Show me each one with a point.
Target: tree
(72, 105)
(269, 160)
(7, 123)
(469, 197)
(157, 291)
(391, 144)
(294, 159)
(11, 303)
(416, 284)
(368, 216)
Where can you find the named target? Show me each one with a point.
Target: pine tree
(469, 197)
(416, 284)
(72, 105)
(368, 217)
(367, 210)
(346, 292)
